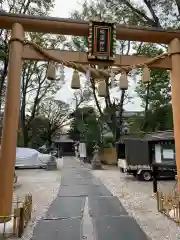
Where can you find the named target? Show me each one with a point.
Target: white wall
(157, 153)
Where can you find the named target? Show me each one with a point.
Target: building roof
(62, 138)
(127, 114)
(158, 136)
(151, 137)
(125, 137)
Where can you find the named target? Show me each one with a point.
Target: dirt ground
(43, 185)
(136, 197)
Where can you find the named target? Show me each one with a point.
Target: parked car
(31, 158)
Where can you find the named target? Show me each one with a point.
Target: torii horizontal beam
(81, 57)
(81, 28)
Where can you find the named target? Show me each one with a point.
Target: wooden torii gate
(20, 51)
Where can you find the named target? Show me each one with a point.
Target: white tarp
(26, 157)
(25, 152)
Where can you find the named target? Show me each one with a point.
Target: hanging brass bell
(146, 74)
(102, 88)
(51, 71)
(75, 83)
(123, 81)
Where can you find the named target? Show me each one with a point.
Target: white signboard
(168, 153)
(82, 150)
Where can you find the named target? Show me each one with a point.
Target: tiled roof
(162, 135)
(62, 138)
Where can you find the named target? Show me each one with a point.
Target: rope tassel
(75, 83)
(51, 72)
(95, 72)
(123, 81)
(146, 74)
(102, 89)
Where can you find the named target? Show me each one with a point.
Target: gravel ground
(43, 185)
(136, 197)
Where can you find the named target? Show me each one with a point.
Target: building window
(167, 152)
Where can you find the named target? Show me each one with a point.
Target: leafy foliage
(85, 127)
(56, 114)
(99, 9)
(35, 87)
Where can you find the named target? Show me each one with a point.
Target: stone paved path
(85, 209)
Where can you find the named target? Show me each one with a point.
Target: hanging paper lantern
(75, 83)
(51, 72)
(123, 81)
(102, 89)
(146, 74)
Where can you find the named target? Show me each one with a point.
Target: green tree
(37, 133)
(85, 127)
(157, 14)
(155, 96)
(98, 9)
(35, 87)
(159, 87)
(56, 115)
(161, 15)
(31, 7)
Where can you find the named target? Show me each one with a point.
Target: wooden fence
(19, 219)
(168, 203)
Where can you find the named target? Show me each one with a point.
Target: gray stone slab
(71, 191)
(74, 172)
(58, 229)
(69, 175)
(118, 228)
(70, 164)
(78, 180)
(85, 173)
(66, 207)
(105, 206)
(98, 191)
(83, 190)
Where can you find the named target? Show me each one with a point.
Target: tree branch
(140, 13)
(95, 97)
(156, 19)
(178, 5)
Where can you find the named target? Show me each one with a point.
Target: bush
(108, 142)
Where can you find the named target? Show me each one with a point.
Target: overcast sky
(63, 10)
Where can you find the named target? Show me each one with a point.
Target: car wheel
(146, 175)
(42, 167)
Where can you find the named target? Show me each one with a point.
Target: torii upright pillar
(10, 123)
(174, 48)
